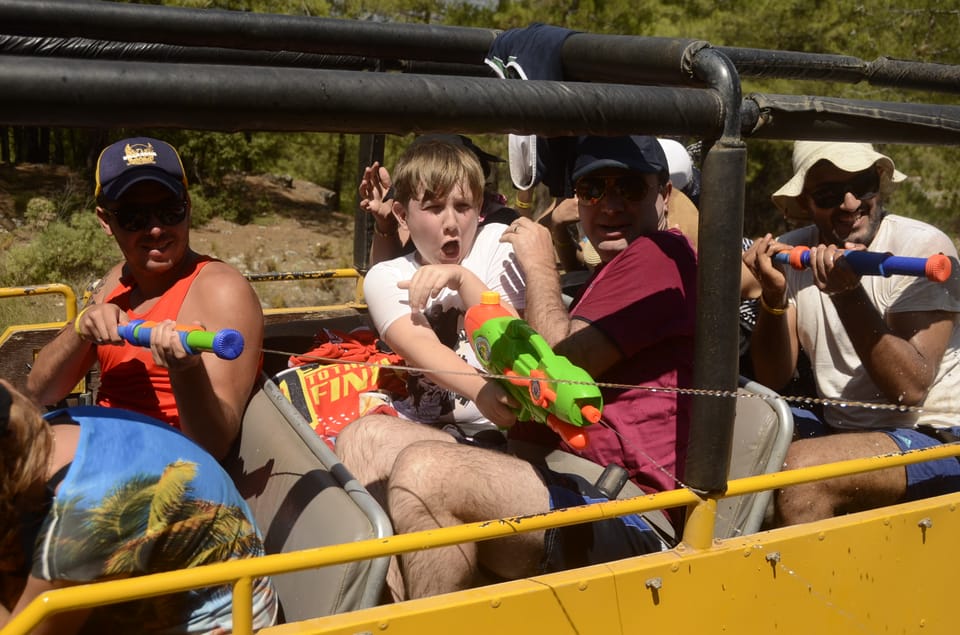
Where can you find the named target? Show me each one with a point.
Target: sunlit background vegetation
(67, 246)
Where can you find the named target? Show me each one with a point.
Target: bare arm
(581, 343)
(545, 310)
(56, 624)
(212, 393)
(59, 366)
(412, 338)
(65, 359)
(389, 238)
(902, 351)
(564, 214)
(430, 280)
(774, 345)
(902, 354)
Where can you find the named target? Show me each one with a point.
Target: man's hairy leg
(369, 447)
(858, 492)
(438, 485)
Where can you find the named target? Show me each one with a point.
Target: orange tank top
(128, 377)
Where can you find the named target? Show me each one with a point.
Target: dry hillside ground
(298, 232)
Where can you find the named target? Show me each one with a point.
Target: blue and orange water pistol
(936, 268)
(506, 345)
(225, 343)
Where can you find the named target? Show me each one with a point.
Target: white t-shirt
(836, 366)
(496, 265)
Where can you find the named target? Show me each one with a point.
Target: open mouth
(847, 222)
(451, 249)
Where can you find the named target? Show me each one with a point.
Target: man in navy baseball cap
(633, 153)
(143, 203)
(131, 161)
(623, 190)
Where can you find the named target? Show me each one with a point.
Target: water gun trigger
(571, 434)
(516, 379)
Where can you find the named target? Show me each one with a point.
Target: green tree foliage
(920, 30)
(75, 252)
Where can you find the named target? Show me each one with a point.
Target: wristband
(769, 309)
(523, 204)
(76, 322)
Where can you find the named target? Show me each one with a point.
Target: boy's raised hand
(373, 189)
(429, 281)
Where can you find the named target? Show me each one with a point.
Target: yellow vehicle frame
(842, 570)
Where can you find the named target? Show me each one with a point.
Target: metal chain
(700, 392)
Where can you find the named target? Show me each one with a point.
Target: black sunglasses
(632, 188)
(134, 218)
(864, 187)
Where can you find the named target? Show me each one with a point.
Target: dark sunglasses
(134, 218)
(632, 188)
(864, 187)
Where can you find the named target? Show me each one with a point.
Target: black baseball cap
(483, 156)
(635, 153)
(135, 160)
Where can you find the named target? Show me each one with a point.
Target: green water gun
(506, 345)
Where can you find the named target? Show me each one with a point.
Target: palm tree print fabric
(141, 498)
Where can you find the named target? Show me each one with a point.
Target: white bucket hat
(849, 157)
(679, 161)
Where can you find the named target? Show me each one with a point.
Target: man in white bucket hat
(875, 339)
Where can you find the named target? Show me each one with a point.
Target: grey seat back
(303, 497)
(763, 429)
(762, 432)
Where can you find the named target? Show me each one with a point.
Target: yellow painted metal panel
(819, 572)
(884, 571)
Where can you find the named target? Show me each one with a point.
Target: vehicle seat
(762, 432)
(763, 429)
(302, 497)
(566, 463)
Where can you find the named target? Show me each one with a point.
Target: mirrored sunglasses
(864, 187)
(134, 218)
(590, 189)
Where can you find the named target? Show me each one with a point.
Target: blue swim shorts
(931, 478)
(591, 543)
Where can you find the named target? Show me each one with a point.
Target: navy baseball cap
(482, 155)
(135, 160)
(635, 153)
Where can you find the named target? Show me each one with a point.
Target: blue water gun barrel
(936, 268)
(225, 343)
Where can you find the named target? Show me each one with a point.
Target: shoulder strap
(56, 479)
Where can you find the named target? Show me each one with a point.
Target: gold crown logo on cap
(140, 154)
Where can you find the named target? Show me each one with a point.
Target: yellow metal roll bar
(69, 297)
(698, 535)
